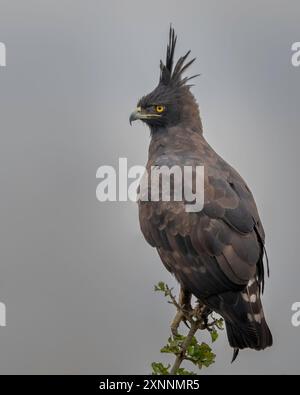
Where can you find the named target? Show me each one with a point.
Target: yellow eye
(159, 109)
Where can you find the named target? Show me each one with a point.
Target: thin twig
(181, 356)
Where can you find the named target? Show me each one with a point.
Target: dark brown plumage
(215, 254)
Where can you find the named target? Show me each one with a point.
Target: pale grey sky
(75, 274)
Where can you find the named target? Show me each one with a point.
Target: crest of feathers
(170, 76)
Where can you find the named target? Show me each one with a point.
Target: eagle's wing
(217, 250)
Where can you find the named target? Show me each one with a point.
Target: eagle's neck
(180, 141)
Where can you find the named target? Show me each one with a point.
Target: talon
(185, 303)
(186, 324)
(176, 322)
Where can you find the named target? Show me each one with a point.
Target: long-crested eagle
(216, 254)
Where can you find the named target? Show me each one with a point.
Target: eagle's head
(171, 102)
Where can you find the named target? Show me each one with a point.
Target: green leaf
(160, 287)
(220, 324)
(194, 341)
(200, 355)
(214, 335)
(174, 345)
(184, 372)
(159, 368)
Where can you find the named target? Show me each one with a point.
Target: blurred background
(75, 274)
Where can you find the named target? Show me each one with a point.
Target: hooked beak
(138, 114)
(135, 115)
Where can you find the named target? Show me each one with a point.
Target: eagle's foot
(201, 313)
(179, 317)
(184, 311)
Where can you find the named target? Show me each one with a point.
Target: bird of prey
(216, 254)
